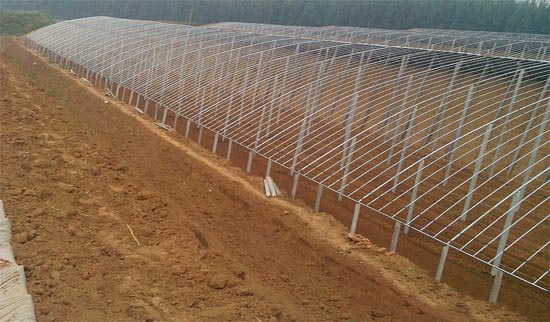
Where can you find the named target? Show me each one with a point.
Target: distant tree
(529, 16)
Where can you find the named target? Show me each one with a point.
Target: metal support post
(458, 132)
(294, 185)
(249, 163)
(407, 134)
(478, 164)
(395, 236)
(441, 265)
(318, 197)
(346, 170)
(215, 143)
(229, 146)
(268, 168)
(413, 196)
(496, 287)
(355, 218)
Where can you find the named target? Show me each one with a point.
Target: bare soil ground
(79, 176)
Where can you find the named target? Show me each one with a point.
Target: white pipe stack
(271, 189)
(15, 303)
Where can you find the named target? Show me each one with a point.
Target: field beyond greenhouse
(115, 219)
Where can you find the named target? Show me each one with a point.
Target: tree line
(14, 23)
(529, 16)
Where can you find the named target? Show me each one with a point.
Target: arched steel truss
(449, 145)
(511, 45)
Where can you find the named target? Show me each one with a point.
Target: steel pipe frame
(263, 107)
(443, 213)
(380, 153)
(347, 34)
(516, 176)
(346, 97)
(252, 111)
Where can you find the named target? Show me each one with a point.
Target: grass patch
(51, 91)
(32, 75)
(14, 23)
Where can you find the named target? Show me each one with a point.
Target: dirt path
(78, 173)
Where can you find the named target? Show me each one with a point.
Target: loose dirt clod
(218, 282)
(144, 195)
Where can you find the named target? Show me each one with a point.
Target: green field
(13, 23)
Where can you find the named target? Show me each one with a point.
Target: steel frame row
(511, 45)
(448, 145)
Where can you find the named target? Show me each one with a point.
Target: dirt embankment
(80, 178)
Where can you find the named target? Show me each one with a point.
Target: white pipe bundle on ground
(15, 303)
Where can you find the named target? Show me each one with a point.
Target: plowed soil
(115, 220)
